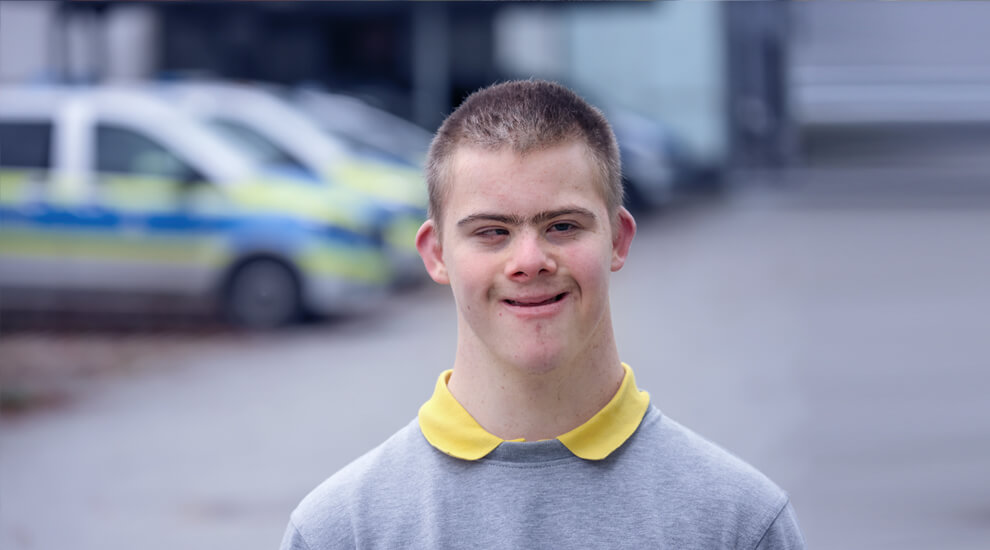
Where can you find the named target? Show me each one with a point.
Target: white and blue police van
(109, 192)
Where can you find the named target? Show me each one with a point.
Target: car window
(25, 144)
(124, 151)
(371, 150)
(255, 144)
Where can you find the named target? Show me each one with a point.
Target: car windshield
(254, 144)
(366, 128)
(367, 149)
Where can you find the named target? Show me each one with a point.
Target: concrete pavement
(839, 345)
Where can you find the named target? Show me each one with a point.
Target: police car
(278, 135)
(111, 192)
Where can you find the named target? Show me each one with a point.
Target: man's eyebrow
(548, 215)
(490, 217)
(539, 218)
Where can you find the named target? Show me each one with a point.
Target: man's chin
(540, 361)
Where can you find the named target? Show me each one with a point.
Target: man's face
(527, 248)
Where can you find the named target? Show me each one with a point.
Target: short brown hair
(525, 115)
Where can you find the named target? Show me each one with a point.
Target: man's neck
(512, 402)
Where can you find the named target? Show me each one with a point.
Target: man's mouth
(535, 303)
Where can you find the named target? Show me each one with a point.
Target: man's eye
(562, 226)
(492, 232)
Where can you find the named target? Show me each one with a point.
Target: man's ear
(428, 245)
(622, 237)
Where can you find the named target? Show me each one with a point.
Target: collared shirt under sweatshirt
(629, 477)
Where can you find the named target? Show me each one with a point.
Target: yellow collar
(452, 430)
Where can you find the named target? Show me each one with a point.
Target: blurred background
(210, 300)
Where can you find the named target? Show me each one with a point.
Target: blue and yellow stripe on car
(145, 224)
(391, 184)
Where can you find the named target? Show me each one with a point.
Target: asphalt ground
(827, 324)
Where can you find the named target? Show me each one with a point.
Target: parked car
(108, 191)
(284, 139)
(647, 167)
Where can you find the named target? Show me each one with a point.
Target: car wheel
(263, 294)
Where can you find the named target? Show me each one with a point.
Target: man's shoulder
(706, 479)
(684, 455)
(381, 470)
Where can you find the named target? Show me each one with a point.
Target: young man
(538, 437)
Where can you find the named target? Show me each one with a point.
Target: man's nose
(529, 256)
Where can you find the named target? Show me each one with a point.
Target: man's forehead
(474, 174)
(469, 157)
(472, 166)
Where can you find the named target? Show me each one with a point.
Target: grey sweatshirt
(665, 487)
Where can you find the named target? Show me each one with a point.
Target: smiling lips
(536, 302)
